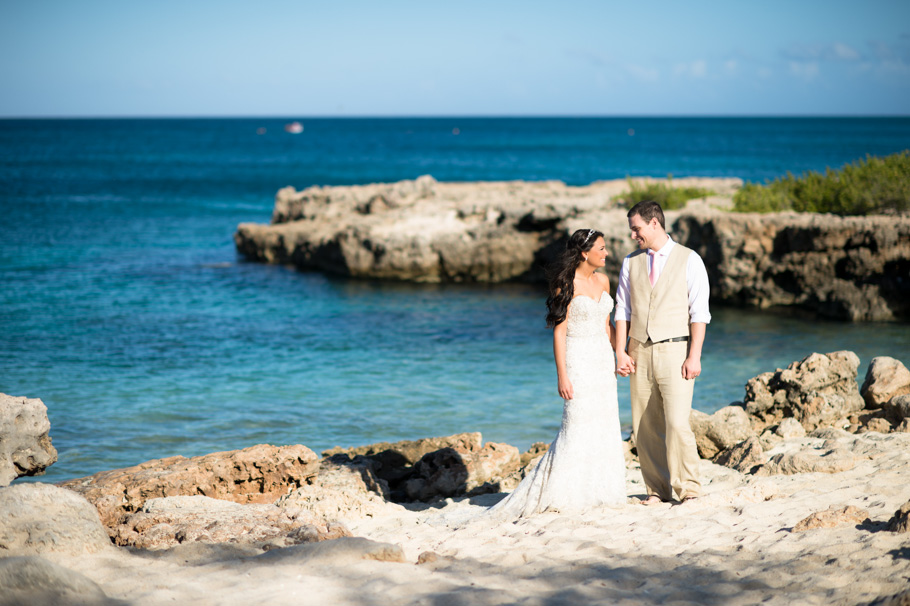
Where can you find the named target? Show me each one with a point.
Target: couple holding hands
(662, 311)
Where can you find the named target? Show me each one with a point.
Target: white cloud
(694, 69)
(836, 51)
(844, 52)
(888, 60)
(646, 74)
(807, 70)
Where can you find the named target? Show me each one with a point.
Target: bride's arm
(611, 331)
(559, 353)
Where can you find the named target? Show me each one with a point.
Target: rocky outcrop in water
(426, 231)
(849, 268)
(25, 443)
(846, 268)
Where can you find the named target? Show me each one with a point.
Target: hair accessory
(588, 237)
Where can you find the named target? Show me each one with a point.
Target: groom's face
(643, 233)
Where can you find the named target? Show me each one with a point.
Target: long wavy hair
(562, 274)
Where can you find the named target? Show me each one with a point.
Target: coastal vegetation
(871, 186)
(665, 194)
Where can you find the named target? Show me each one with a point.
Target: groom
(662, 306)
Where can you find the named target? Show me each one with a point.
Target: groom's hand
(625, 365)
(691, 368)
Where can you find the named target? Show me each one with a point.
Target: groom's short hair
(647, 210)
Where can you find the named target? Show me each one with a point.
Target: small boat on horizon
(295, 128)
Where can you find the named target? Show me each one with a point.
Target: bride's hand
(625, 365)
(565, 389)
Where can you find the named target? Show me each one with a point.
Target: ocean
(125, 307)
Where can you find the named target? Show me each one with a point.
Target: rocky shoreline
(847, 268)
(805, 501)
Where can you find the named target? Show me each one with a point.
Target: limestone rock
(847, 268)
(833, 461)
(829, 433)
(25, 446)
(817, 391)
(832, 517)
(166, 522)
(34, 581)
(436, 467)
(528, 461)
(790, 428)
(534, 452)
(342, 490)
(717, 432)
(769, 438)
(427, 231)
(38, 518)
(900, 521)
(742, 457)
(392, 459)
(878, 424)
(453, 472)
(898, 408)
(258, 474)
(885, 379)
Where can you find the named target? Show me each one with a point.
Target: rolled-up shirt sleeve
(623, 304)
(699, 289)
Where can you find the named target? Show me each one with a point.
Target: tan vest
(661, 312)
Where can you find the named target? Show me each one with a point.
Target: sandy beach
(734, 545)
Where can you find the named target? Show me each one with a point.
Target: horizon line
(446, 116)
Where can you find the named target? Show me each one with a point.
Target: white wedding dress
(584, 466)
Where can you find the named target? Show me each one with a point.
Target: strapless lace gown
(584, 466)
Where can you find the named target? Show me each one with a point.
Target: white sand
(732, 546)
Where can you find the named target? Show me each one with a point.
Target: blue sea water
(125, 308)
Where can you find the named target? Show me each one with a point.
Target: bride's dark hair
(562, 274)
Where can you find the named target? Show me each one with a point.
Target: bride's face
(597, 256)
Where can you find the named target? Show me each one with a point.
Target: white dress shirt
(696, 281)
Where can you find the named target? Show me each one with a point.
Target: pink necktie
(653, 275)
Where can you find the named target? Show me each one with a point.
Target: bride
(584, 466)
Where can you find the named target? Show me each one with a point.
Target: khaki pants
(661, 403)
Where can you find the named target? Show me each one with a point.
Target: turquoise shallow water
(124, 307)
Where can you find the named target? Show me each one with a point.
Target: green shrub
(669, 197)
(870, 186)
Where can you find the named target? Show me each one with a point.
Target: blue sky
(489, 58)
